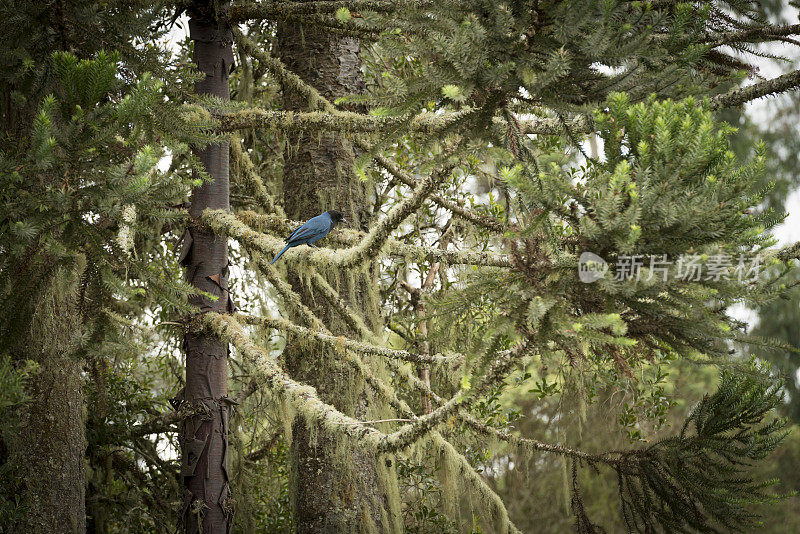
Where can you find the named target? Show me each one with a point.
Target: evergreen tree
(84, 209)
(468, 63)
(370, 373)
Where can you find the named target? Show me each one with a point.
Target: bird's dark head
(336, 217)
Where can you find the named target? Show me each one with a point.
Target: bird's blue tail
(287, 247)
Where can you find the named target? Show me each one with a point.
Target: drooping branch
(278, 68)
(252, 181)
(343, 342)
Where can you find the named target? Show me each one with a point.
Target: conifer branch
(343, 342)
(351, 122)
(753, 35)
(234, 226)
(736, 97)
(272, 10)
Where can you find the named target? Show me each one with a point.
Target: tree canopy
(404, 375)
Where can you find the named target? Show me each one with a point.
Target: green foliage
(545, 57)
(699, 480)
(668, 185)
(70, 187)
(82, 184)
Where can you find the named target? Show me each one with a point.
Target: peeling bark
(207, 504)
(336, 488)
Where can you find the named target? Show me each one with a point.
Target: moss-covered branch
(304, 398)
(608, 458)
(736, 97)
(789, 252)
(429, 123)
(448, 453)
(379, 234)
(288, 79)
(353, 320)
(343, 342)
(342, 121)
(250, 178)
(240, 227)
(273, 10)
(350, 122)
(288, 294)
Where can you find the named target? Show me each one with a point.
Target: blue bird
(312, 231)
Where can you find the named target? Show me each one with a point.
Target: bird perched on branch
(312, 231)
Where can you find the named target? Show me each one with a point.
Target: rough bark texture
(336, 488)
(207, 505)
(48, 447)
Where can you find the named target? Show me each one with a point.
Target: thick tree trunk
(336, 487)
(207, 505)
(48, 447)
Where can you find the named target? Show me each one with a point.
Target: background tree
(85, 209)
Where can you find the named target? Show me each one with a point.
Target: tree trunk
(336, 488)
(207, 505)
(48, 447)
